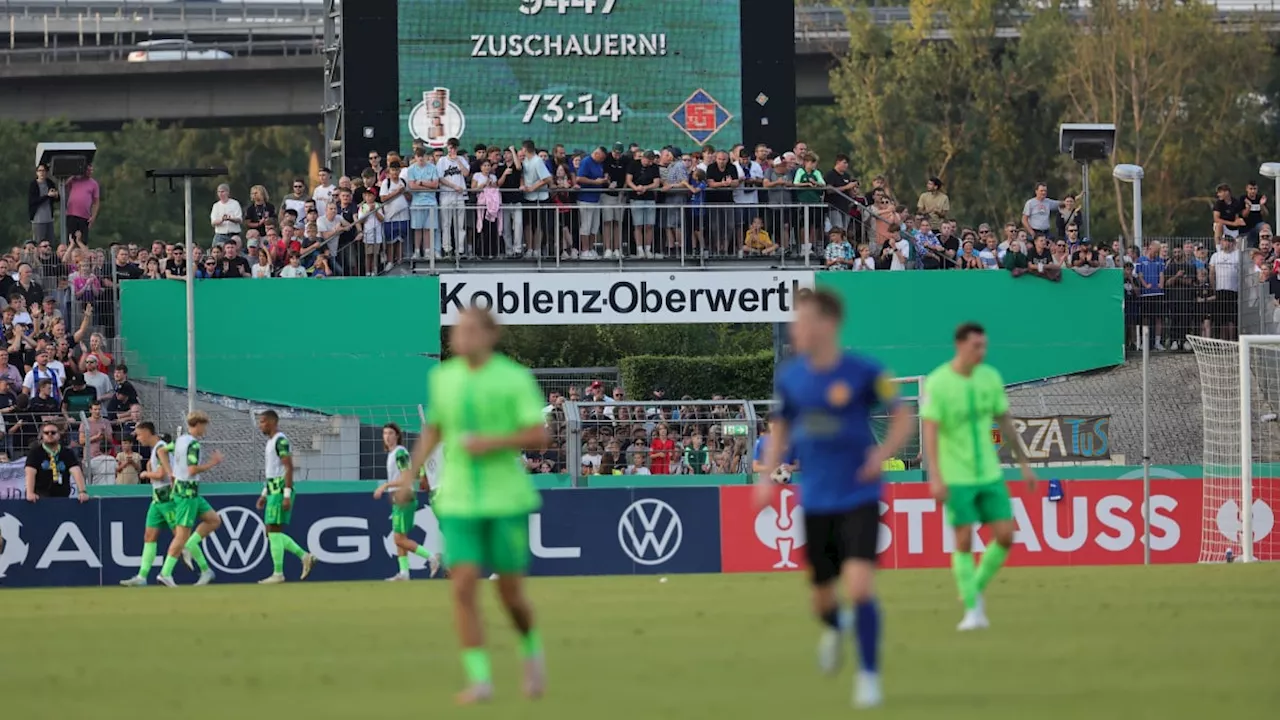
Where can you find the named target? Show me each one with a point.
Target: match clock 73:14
(581, 109)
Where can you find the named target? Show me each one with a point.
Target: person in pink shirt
(82, 204)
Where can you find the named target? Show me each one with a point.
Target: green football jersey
(964, 409)
(500, 398)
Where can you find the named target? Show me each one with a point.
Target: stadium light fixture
(1133, 174)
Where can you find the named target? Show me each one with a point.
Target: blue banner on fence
(577, 532)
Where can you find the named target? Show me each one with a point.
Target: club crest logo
(839, 393)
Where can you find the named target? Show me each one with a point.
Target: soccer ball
(782, 475)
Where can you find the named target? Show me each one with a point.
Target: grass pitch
(1196, 642)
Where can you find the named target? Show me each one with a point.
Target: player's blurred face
(973, 349)
(264, 425)
(810, 330)
(470, 336)
(389, 438)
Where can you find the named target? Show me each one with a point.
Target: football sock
(867, 628)
(476, 663)
(422, 552)
(277, 552)
(193, 544)
(531, 644)
(292, 547)
(403, 560)
(992, 560)
(831, 618)
(962, 567)
(166, 570)
(148, 559)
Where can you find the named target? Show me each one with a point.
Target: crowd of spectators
(661, 438)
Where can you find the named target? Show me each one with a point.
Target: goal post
(1240, 393)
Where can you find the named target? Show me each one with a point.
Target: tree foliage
(130, 212)
(744, 377)
(953, 93)
(568, 346)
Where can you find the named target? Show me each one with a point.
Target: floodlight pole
(1085, 231)
(1134, 174)
(186, 174)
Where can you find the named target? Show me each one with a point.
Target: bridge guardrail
(120, 53)
(148, 10)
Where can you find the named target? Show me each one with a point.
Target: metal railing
(201, 52)
(554, 234)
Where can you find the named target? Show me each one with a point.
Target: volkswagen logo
(650, 531)
(240, 544)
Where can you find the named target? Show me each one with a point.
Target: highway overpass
(66, 58)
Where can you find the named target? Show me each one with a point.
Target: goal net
(1240, 391)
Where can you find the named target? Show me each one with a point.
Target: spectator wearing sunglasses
(48, 466)
(297, 199)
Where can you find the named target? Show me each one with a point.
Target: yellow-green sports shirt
(499, 398)
(964, 408)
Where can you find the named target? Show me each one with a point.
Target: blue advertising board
(577, 532)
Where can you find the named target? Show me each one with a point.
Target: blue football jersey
(828, 413)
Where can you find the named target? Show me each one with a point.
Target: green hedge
(745, 377)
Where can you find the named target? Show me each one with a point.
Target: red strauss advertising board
(1096, 523)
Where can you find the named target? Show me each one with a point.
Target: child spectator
(757, 240)
(864, 261)
(369, 218)
(697, 187)
(839, 254)
(294, 269)
(263, 268)
(128, 463)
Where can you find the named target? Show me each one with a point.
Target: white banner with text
(626, 298)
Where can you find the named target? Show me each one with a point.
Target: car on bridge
(178, 49)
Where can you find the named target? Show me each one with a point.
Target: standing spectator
(839, 254)
(1224, 278)
(260, 212)
(95, 432)
(777, 182)
(810, 181)
(1253, 210)
(747, 194)
(41, 372)
(395, 212)
(864, 261)
(1148, 273)
(697, 457)
(424, 181)
(96, 379)
(590, 178)
(83, 202)
(662, 451)
(370, 221)
(616, 167)
(453, 170)
(842, 186)
(128, 462)
(1015, 258)
(234, 265)
(900, 247)
(42, 195)
(644, 181)
(294, 269)
(324, 193)
(226, 215)
(512, 214)
(1179, 285)
(1037, 213)
(722, 177)
(85, 285)
(1069, 215)
(51, 467)
(674, 175)
(296, 200)
(488, 242)
(933, 203)
(535, 179)
(8, 370)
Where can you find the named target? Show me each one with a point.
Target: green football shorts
(274, 512)
(402, 521)
(499, 544)
(162, 515)
(978, 504)
(187, 510)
